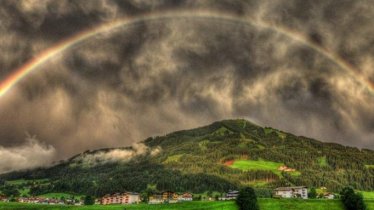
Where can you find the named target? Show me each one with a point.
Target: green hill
(215, 158)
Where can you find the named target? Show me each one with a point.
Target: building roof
(120, 194)
(289, 188)
(131, 193)
(232, 192)
(187, 195)
(170, 192)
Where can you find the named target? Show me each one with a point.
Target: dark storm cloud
(163, 75)
(54, 19)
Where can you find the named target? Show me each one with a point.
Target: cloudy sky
(303, 66)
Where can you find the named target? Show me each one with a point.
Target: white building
(329, 196)
(291, 192)
(231, 195)
(155, 199)
(185, 197)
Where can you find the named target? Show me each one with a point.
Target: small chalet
(121, 198)
(230, 195)
(185, 197)
(287, 169)
(291, 192)
(328, 196)
(3, 198)
(155, 199)
(168, 197)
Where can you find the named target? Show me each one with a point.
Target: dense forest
(196, 161)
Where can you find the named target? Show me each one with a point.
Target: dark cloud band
(120, 86)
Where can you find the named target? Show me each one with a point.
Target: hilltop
(221, 156)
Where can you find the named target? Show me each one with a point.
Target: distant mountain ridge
(223, 155)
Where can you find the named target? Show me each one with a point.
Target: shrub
(89, 200)
(247, 199)
(352, 200)
(312, 193)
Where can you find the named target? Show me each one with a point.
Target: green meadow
(247, 165)
(367, 195)
(265, 204)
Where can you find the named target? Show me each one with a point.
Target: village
(296, 192)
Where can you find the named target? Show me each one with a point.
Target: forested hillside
(218, 157)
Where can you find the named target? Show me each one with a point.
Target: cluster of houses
(167, 197)
(298, 192)
(173, 197)
(291, 192)
(50, 201)
(3, 199)
(134, 198)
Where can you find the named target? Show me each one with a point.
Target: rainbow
(20, 73)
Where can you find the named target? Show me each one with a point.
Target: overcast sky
(162, 75)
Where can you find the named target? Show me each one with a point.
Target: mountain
(218, 157)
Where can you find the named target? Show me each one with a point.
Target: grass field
(173, 158)
(265, 204)
(23, 185)
(369, 166)
(290, 204)
(367, 195)
(247, 165)
(322, 161)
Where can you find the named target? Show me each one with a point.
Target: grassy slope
(368, 195)
(256, 165)
(247, 165)
(369, 166)
(322, 161)
(24, 191)
(285, 204)
(265, 204)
